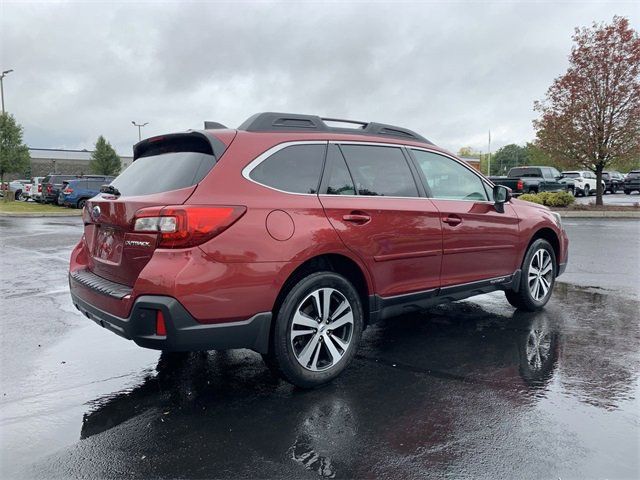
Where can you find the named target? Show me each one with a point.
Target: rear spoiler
(192, 141)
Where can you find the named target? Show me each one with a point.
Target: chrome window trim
(276, 148)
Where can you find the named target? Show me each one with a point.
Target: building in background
(472, 161)
(51, 160)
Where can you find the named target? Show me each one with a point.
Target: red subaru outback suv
(289, 235)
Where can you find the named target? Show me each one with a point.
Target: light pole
(139, 125)
(4, 74)
(489, 172)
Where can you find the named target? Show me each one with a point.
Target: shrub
(531, 197)
(550, 199)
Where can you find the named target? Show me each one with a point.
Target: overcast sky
(449, 70)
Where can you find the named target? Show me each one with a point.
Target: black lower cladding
(184, 333)
(385, 307)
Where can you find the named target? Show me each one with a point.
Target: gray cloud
(448, 70)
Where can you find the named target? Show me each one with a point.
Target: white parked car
(19, 187)
(36, 188)
(584, 182)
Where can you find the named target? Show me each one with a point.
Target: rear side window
(294, 169)
(164, 172)
(339, 180)
(380, 171)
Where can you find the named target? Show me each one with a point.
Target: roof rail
(295, 122)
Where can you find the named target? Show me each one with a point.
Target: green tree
(104, 159)
(468, 152)
(590, 116)
(537, 156)
(14, 155)
(507, 157)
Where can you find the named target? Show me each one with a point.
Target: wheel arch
(332, 262)
(550, 236)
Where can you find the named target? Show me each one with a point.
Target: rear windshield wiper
(110, 189)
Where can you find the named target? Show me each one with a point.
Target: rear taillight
(520, 185)
(186, 225)
(161, 326)
(49, 188)
(39, 188)
(67, 191)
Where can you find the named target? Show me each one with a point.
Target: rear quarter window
(294, 169)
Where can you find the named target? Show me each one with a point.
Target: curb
(597, 214)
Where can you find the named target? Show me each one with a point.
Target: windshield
(161, 173)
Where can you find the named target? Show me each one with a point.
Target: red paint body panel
(401, 244)
(405, 247)
(485, 244)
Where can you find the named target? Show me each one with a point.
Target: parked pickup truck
(531, 180)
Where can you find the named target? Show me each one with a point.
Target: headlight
(558, 219)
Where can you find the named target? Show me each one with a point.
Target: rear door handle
(356, 218)
(453, 220)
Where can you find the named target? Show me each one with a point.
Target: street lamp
(139, 125)
(4, 74)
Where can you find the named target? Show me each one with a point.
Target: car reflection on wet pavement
(470, 389)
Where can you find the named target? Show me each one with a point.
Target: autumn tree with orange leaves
(591, 114)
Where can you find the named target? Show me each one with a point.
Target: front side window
(449, 180)
(294, 169)
(379, 171)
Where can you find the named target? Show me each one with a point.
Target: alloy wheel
(322, 329)
(540, 276)
(538, 348)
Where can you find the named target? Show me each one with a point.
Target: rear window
(162, 173)
(633, 175)
(525, 172)
(570, 174)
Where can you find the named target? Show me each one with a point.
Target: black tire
(523, 299)
(586, 191)
(81, 203)
(532, 191)
(627, 192)
(282, 359)
(18, 195)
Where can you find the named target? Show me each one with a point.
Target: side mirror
(501, 195)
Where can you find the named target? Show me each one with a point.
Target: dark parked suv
(52, 185)
(632, 182)
(289, 236)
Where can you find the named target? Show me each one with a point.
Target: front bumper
(184, 333)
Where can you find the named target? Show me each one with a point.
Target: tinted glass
(554, 173)
(570, 174)
(293, 169)
(380, 171)
(447, 179)
(96, 184)
(339, 180)
(633, 175)
(161, 173)
(525, 172)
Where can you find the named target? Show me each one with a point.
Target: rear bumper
(184, 333)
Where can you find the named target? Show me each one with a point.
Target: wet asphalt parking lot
(471, 389)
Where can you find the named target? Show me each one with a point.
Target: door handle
(453, 220)
(356, 218)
